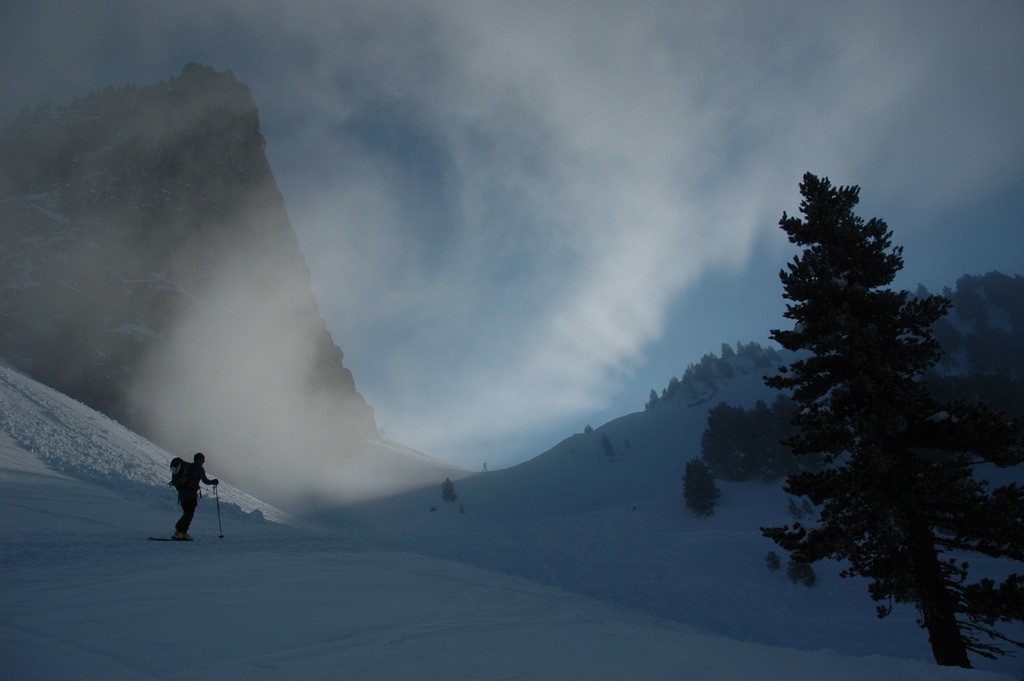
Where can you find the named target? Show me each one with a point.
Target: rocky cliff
(149, 269)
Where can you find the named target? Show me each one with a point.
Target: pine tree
(652, 400)
(801, 573)
(448, 491)
(699, 488)
(721, 445)
(606, 447)
(897, 500)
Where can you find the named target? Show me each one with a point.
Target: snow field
(303, 608)
(393, 591)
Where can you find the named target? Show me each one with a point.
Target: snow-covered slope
(617, 529)
(83, 595)
(70, 438)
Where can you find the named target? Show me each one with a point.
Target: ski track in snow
(444, 595)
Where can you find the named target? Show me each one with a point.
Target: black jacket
(196, 474)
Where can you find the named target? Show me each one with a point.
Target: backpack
(179, 473)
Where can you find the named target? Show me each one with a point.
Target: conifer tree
(448, 491)
(897, 500)
(606, 447)
(652, 400)
(700, 489)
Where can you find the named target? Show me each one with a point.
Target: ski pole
(216, 494)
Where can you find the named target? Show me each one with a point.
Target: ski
(167, 539)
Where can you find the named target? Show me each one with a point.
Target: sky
(520, 218)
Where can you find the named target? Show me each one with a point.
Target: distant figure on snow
(188, 494)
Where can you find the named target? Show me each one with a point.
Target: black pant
(188, 505)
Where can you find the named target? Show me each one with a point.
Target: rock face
(148, 267)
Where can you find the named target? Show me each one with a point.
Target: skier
(188, 496)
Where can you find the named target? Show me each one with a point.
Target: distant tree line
(981, 341)
(700, 381)
(744, 444)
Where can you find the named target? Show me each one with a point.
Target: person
(188, 496)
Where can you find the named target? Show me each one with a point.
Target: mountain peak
(149, 266)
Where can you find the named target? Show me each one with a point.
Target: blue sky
(522, 216)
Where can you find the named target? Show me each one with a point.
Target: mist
(250, 376)
(152, 271)
(234, 381)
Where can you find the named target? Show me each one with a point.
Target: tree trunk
(934, 600)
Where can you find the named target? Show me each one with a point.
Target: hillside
(85, 596)
(618, 531)
(72, 446)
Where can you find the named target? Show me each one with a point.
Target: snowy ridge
(73, 439)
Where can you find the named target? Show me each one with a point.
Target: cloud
(577, 166)
(521, 191)
(500, 202)
(249, 376)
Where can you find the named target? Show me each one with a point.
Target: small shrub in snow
(448, 491)
(699, 488)
(606, 446)
(772, 560)
(801, 573)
